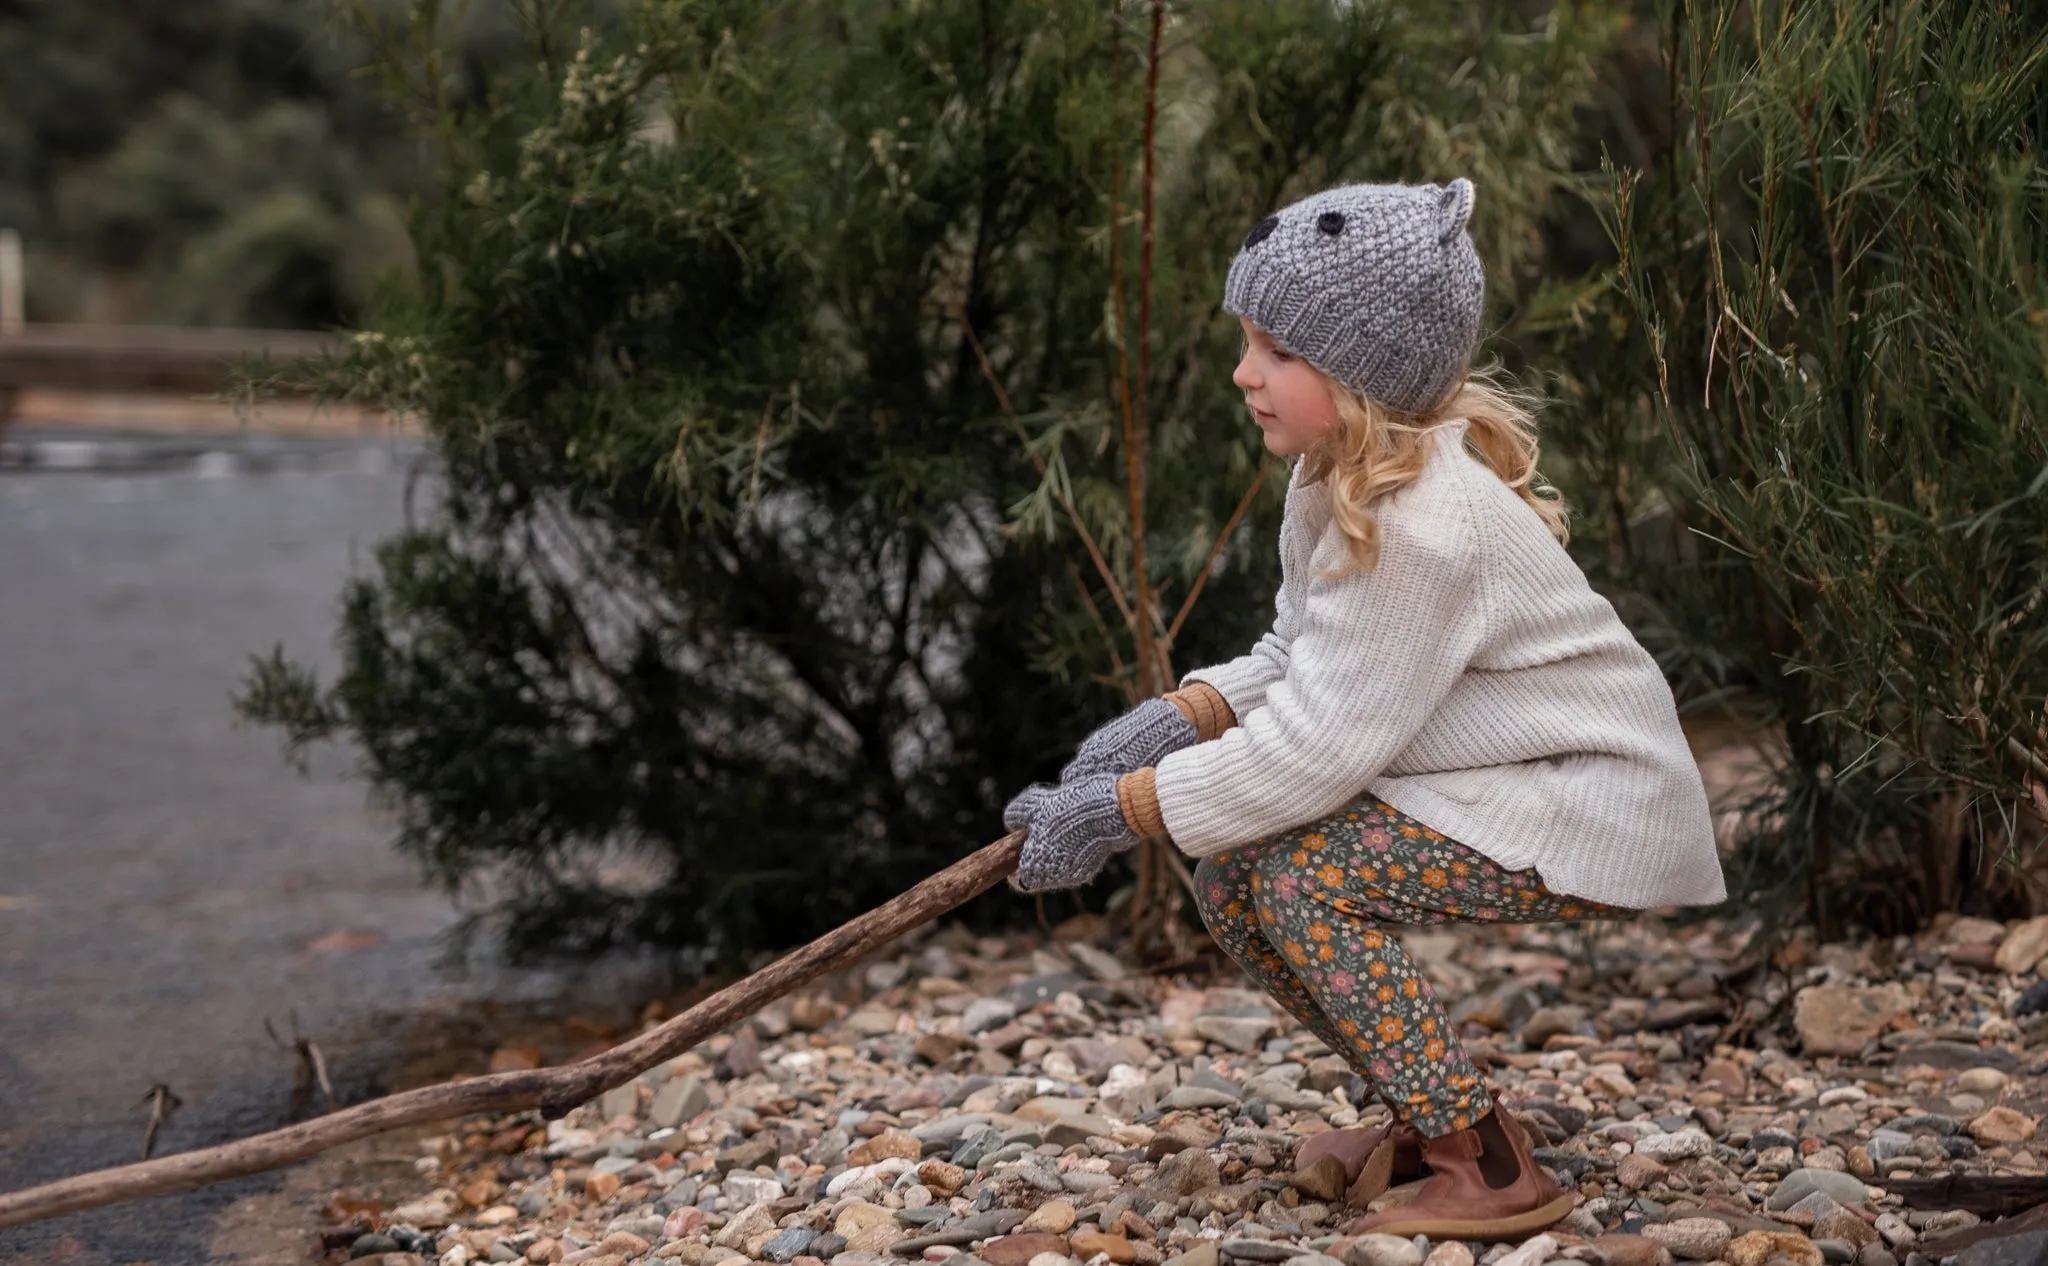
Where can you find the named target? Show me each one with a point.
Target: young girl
(1445, 722)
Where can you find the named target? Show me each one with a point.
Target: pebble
(1005, 1101)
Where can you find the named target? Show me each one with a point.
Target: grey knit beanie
(1378, 286)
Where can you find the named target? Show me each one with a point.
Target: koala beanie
(1378, 286)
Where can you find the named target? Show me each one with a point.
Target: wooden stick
(553, 1090)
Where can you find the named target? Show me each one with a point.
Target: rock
(942, 1178)
(2029, 1249)
(1842, 1019)
(1725, 1076)
(1054, 1216)
(1238, 1033)
(1982, 1081)
(1187, 1172)
(856, 1218)
(600, 1187)
(1694, 1239)
(1534, 1252)
(1377, 1250)
(1127, 1092)
(1501, 1008)
(1844, 1226)
(987, 1013)
(2023, 947)
(747, 1189)
(1097, 963)
(787, 1245)
(684, 1223)
(430, 1214)
(1631, 1250)
(2002, 1125)
(1635, 1172)
(886, 1144)
(1324, 1180)
(1019, 1248)
(1801, 1183)
(1259, 1251)
(1683, 1145)
(1449, 1253)
(1202, 1254)
(1755, 1247)
(372, 1242)
(1078, 1127)
(1086, 1244)
(970, 1153)
(680, 1099)
(1549, 1022)
(1198, 1097)
(753, 1221)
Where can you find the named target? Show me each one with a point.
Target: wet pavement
(167, 882)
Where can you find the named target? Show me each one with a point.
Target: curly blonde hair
(1374, 451)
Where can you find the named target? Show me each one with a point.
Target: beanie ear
(1453, 209)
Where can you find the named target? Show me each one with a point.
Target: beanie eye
(1261, 231)
(1331, 222)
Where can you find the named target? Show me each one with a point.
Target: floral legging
(1300, 912)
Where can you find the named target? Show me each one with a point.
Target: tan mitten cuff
(1137, 795)
(1204, 707)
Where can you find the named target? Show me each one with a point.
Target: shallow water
(167, 882)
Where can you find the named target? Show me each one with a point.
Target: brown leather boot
(1484, 1186)
(1372, 1158)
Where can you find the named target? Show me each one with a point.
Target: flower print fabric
(1301, 913)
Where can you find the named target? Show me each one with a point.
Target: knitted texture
(1376, 285)
(1072, 835)
(1474, 681)
(1137, 738)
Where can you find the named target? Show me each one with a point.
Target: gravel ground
(1028, 1101)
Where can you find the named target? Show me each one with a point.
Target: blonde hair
(1374, 451)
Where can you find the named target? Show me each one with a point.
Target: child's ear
(1453, 209)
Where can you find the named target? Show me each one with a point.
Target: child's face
(1287, 397)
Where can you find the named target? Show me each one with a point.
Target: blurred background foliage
(781, 361)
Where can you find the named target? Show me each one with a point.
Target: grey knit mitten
(1143, 736)
(1076, 829)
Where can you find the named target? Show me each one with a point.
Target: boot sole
(1536, 1219)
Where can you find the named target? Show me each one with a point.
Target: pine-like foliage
(739, 578)
(1837, 302)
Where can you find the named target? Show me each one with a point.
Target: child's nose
(1243, 375)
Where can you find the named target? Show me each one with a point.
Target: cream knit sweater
(1474, 681)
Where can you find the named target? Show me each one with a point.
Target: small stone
(624, 1243)
(749, 1189)
(1835, 1252)
(754, 1221)
(2029, 1249)
(1694, 1239)
(1533, 1252)
(1259, 1250)
(372, 1242)
(1982, 1081)
(1549, 1022)
(1022, 1249)
(1725, 1076)
(2002, 1125)
(1449, 1253)
(787, 1246)
(2023, 947)
(1097, 963)
(600, 1187)
(943, 1178)
(1377, 1250)
(987, 1013)
(1754, 1248)
(1054, 1216)
(1842, 1019)
(1844, 1226)
(1202, 1254)
(862, 1216)
(1198, 1097)
(1238, 1033)
(886, 1144)
(684, 1223)
(1501, 1008)
(1187, 1172)
(1635, 1172)
(1631, 1250)
(1086, 1244)
(680, 1099)
(1683, 1145)
(1801, 1183)
(1324, 1180)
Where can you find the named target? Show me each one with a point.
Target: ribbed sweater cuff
(1205, 708)
(1138, 797)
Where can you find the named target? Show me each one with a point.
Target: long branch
(553, 1090)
